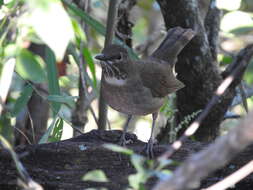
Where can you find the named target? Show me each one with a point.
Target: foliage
(95, 175)
(145, 168)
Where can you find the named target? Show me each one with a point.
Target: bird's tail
(175, 40)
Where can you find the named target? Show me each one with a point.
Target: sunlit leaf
(45, 137)
(224, 60)
(120, 149)
(21, 102)
(95, 175)
(79, 33)
(10, 50)
(57, 132)
(28, 66)
(137, 181)
(52, 24)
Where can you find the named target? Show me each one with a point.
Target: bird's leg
(123, 136)
(149, 150)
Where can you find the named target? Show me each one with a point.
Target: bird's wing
(165, 80)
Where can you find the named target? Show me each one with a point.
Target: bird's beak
(101, 57)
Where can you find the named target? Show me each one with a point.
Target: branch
(198, 166)
(110, 26)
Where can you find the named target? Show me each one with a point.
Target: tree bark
(61, 165)
(197, 67)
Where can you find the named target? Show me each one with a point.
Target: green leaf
(137, 181)
(10, 50)
(138, 161)
(52, 75)
(91, 65)
(95, 175)
(79, 33)
(45, 137)
(28, 66)
(224, 60)
(242, 30)
(22, 100)
(87, 18)
(52, 24)
(70, 100)
(164, 174)
(57, 132)
(5, 127)
(120, 149)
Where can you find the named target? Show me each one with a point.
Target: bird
(140, 87)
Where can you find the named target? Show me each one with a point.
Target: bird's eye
(117, 57)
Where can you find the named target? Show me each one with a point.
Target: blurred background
(32, 111)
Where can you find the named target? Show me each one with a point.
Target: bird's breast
(130, 97)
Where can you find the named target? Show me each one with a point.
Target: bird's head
(112, 60)
(113, 53)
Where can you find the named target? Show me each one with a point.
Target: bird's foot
(149, 149)
(124, 141)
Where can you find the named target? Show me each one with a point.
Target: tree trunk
(197, 65)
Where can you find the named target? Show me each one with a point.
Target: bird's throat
(115, 81)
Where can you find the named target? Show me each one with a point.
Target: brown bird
(140, 87)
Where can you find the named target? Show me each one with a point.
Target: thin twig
(23, 134)
(32, 126)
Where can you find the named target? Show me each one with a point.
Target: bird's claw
(149, 149)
